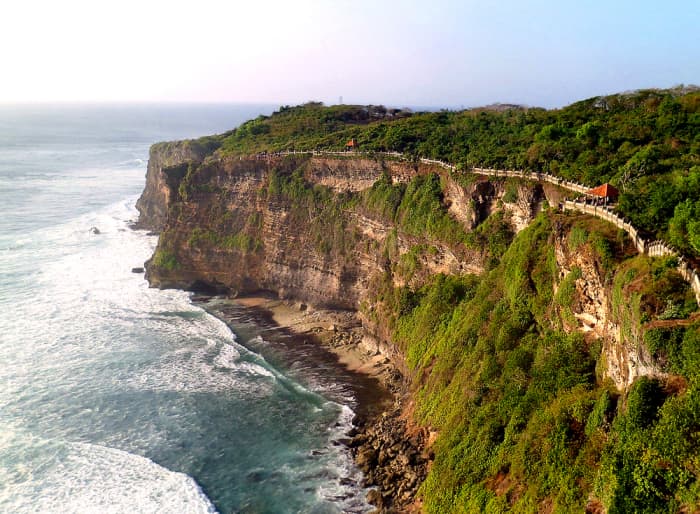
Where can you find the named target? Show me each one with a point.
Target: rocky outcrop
(167, 165)
(624, 356)
(356, 174)
(394, 458)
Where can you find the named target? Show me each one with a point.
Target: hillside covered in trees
(647, 143)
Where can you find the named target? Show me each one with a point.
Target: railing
(655, 248)
(534, 175)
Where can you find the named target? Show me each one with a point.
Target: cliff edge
(531, 342)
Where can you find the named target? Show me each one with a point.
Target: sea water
(119, 398)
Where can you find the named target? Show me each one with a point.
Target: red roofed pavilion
(610, 193)
(351, 145)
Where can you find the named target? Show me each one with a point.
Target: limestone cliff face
(232, 232)
(624, 355)
(226, 227)
(167, 164)
(472, 205)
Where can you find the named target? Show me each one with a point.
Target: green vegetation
(200, 236)
(647, 143)
(565, 295)
(650, 289)
(492, 237)
(301, 127)
(165, 259)
(577, 237)
(165, 256)
(240, 241)
(511, 194)
(525, 424)
(417, 208)
(649, 463)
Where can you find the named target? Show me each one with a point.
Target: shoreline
(337, 331)
(324, 340)
(390, 455)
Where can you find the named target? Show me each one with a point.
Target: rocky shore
(393, 458)
(387, 448)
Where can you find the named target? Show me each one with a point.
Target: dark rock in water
(95, 230)
(137, 270)
(256, 476)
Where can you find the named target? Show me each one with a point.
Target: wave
(132, 163)
(81, 477)
(89, 328)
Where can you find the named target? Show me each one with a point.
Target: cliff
(305, 228)
(531, 341)
(167, 165)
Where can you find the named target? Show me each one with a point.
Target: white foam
(227, 357)
(83, 478)
(88, 293)
(348, 477)
(86, 305)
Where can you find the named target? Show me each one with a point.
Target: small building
(351, 145)
(606, 191)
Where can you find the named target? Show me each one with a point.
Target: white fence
(655, 248)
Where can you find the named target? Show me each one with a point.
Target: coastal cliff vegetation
(647, 143)
(561, 371)
(527, 419)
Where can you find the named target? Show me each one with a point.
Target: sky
(438, 53)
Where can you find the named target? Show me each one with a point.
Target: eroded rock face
(525, 206)
(345, 174)
(167, 164)
(231, 233)
(624, 356)
(591, 302)
(520, 201)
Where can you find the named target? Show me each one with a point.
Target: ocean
(115, 397)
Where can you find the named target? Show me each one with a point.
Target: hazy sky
(428, 53)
